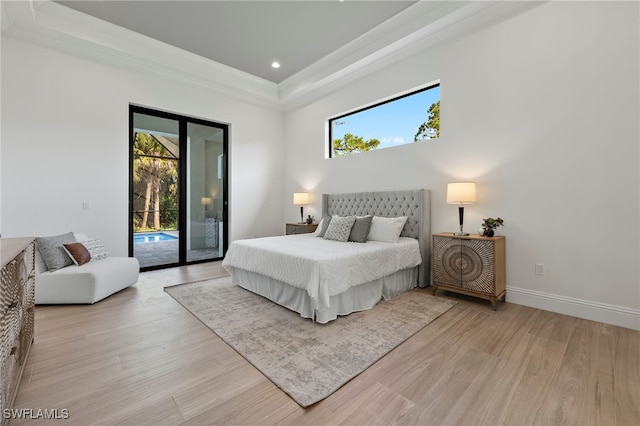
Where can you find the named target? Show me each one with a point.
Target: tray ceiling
(249, 35)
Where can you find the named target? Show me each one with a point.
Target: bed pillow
(96, 249)
(339, 228)
(318, 228)
(52, 251)
(386, 229)
(360, 229)
(324, 224)
(78, 253)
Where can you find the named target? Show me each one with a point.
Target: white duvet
(322, 267)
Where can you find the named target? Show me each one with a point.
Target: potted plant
(490, 224)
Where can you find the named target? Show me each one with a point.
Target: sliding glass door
(156, 193)
(205, 193)
(178, 189)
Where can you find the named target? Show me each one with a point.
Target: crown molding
(426, 24)
(55, 26)
(420, 26)
(366, 50)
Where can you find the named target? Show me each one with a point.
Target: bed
(322, 279)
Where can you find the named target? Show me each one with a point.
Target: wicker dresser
(16, 314)
(471, 265)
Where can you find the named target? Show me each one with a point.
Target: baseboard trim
(587, 309)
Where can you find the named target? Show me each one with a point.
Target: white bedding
(322, 267)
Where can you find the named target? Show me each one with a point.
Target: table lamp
(206, 202)
(300, 199)
(461, 193)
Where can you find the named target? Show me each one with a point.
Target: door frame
(183, 121)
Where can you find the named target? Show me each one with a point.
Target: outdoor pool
(152, 237)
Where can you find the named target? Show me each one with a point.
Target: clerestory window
(407, 118)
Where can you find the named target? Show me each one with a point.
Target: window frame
(393, 98)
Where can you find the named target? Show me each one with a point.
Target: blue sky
(394, 123)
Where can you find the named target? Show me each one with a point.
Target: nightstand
(300, 228)
(472, 264)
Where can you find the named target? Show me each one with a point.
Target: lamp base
(461, 233)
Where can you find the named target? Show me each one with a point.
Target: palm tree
(153, 163)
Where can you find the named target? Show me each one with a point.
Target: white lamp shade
(461, 193)
(300, 198)
(206, 201)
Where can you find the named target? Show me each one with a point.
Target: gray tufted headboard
(415, 204)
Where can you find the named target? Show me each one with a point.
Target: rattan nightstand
(471, 265)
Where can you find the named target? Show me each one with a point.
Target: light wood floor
(139, 358)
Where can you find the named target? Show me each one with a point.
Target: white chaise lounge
(85, 284)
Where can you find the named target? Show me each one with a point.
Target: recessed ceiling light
(275, 64)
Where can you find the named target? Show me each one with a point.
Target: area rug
(307, 360)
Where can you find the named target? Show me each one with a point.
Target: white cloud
(396, 140)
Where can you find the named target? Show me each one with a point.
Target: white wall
(542, 112)
(65, 141)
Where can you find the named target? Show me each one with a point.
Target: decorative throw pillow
(52, 251)
(96, 249)
(339, 228)
(78, 253)
(386, 229)
(360, 229)
(324, 224)
(319, 227)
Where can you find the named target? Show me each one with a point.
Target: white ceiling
(249, 35)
